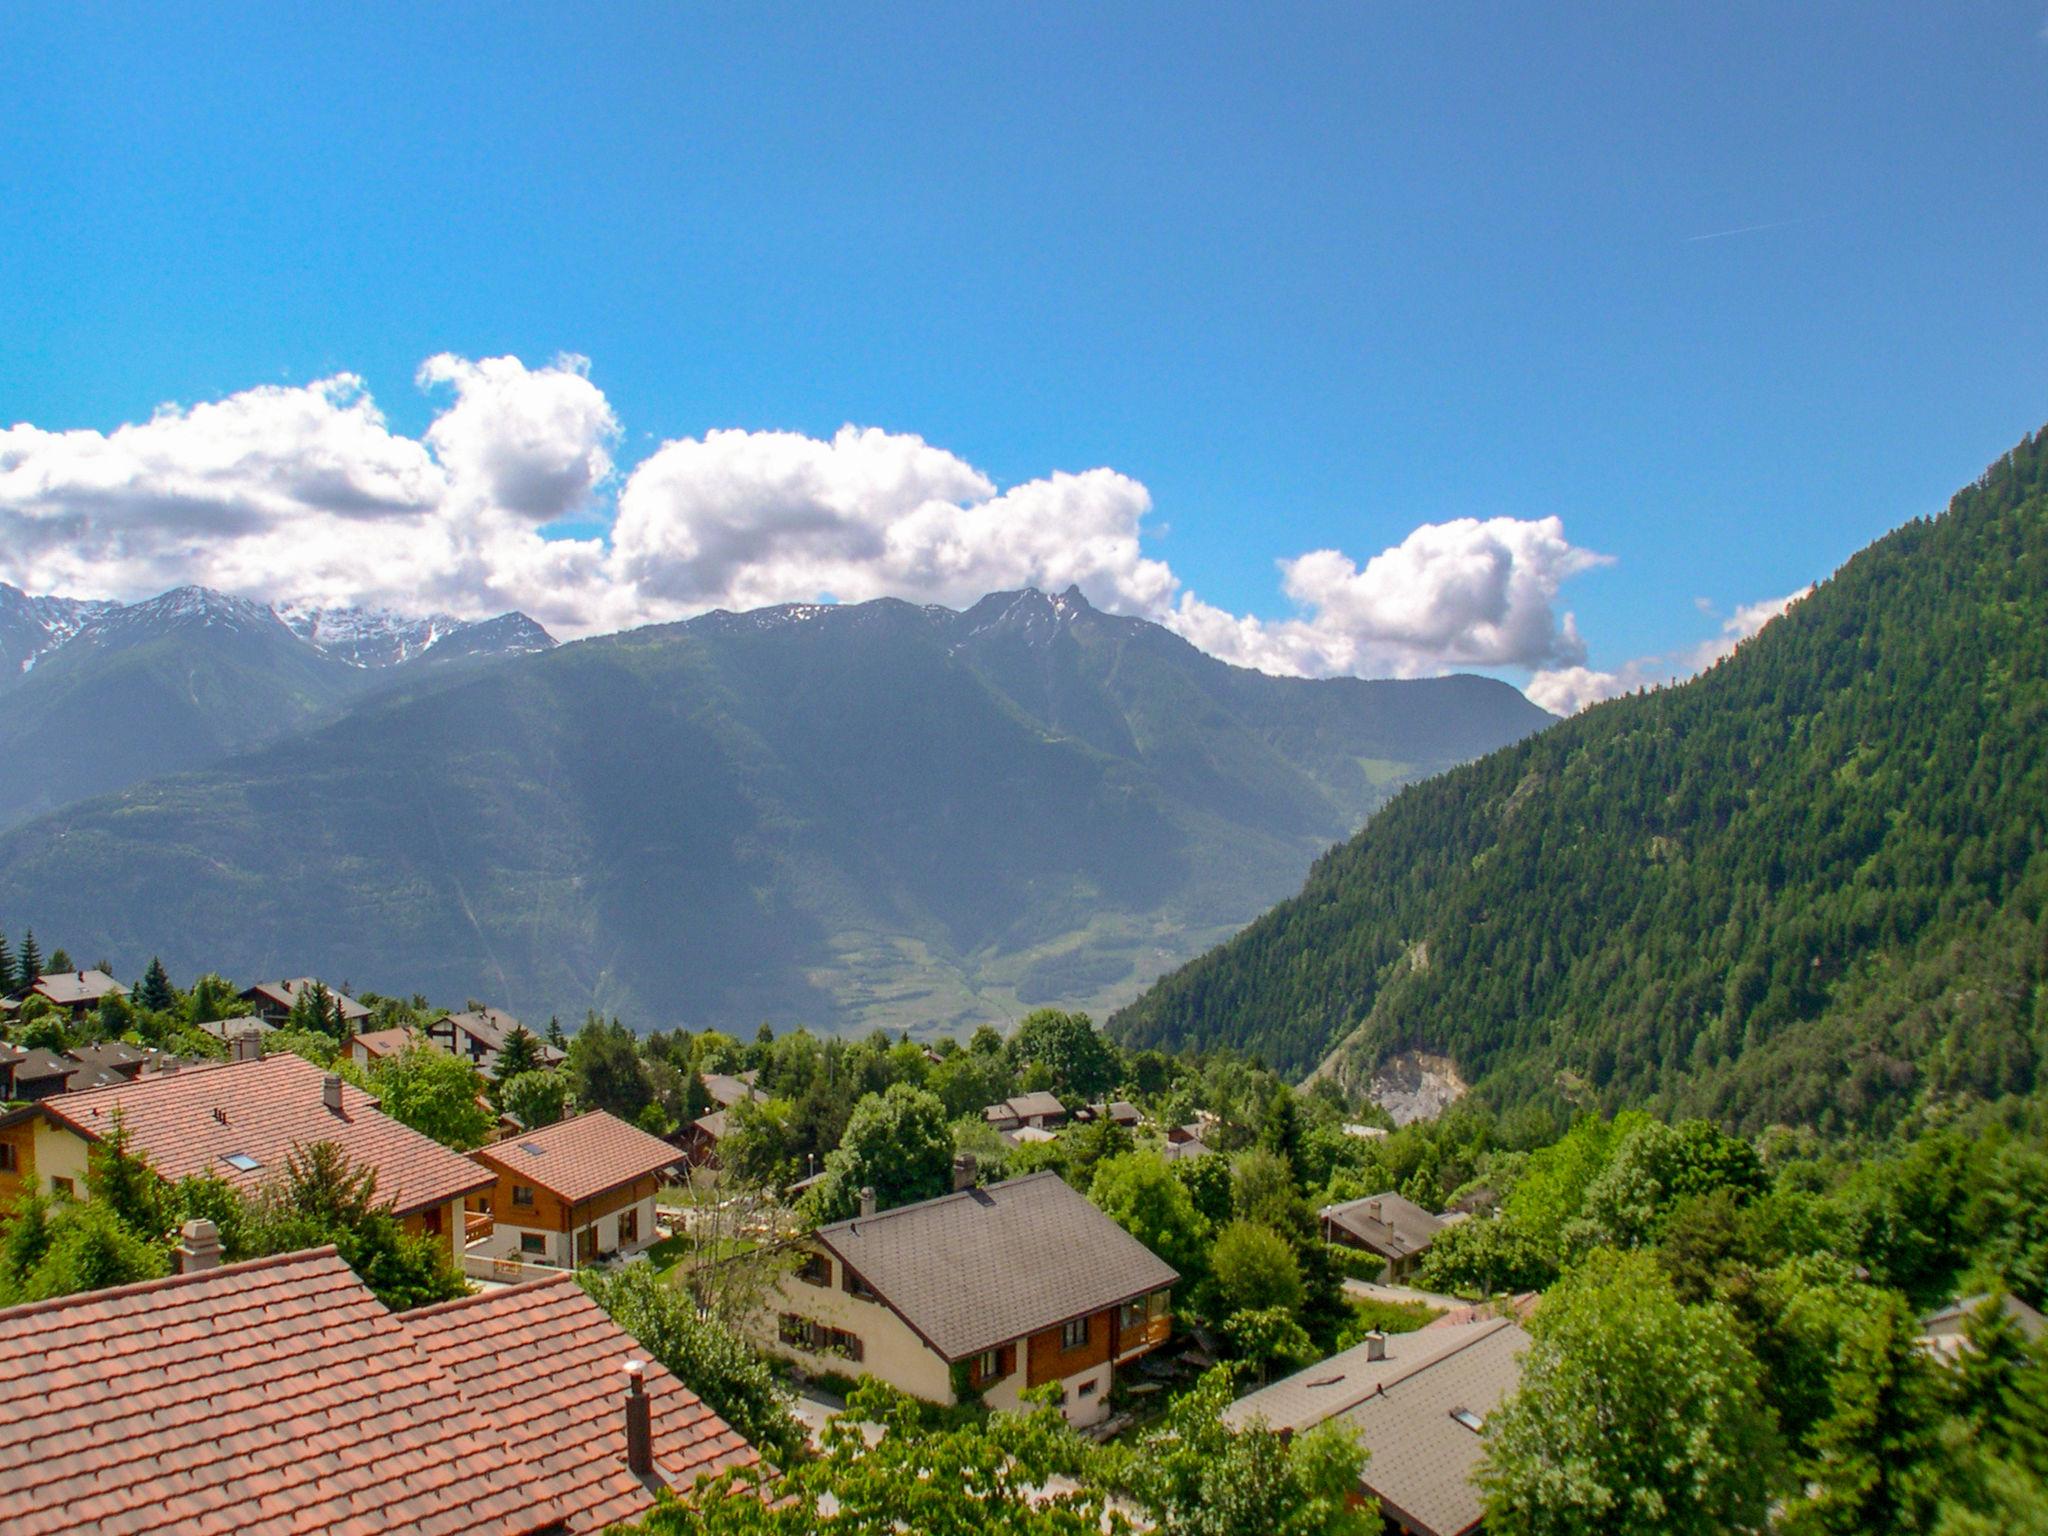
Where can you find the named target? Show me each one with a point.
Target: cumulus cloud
(1567, 690)
(305, 494)
(1461, 593)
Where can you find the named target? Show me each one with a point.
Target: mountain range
(837, 815)
(111, 693)
(1809, 886)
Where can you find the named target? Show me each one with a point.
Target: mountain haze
(845, 816)
(110, 694)
(1808, 885)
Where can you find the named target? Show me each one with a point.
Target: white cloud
(306, 494)
(1567, 690)
(1459, 594)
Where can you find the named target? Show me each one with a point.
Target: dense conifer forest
(1807, 886)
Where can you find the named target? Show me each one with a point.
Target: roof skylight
(242, 1161)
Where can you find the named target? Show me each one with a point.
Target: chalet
(700, 1138)
(1418, 1402)
(994, 1290)
(478, 1035)
(1116, 1112)
(572, 1192)
(1186, 1147)
(279, 1396)
(1040, 1111)
(1398, 1231)
(273, 1000)
(74, 992)
(1944, 1333)
(242, 1120)
(366, 1050)
(727, 1090)
(33, 1073)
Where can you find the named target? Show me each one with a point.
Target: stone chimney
(1375, 1345)
(964, 1171)
(1372, 1209)
(198, 1246)
(247, 1046)
(330, 1091)
(639, 1421)
(867, 1200)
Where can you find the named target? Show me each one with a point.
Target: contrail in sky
(1751, 229)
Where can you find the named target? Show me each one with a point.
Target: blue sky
(1729, 290)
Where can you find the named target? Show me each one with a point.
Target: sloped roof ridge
(937, 1200)
(1466, 1339)
(171, 1282)
(478, 1298)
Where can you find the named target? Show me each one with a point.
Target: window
(816, 1269)
(989, 1366)
(1472, 1421)
(533, 1242)
(856, 1287)
(62, 1186)
(522, 1194)
(7, 1158)
(816, 1338)
(1134, 1315)
(629, 1226)
(242, 1162)
(1086, 1389)
(1074, 1335)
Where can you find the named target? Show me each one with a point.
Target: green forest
(1806, 887)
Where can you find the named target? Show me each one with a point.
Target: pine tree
(30, 964)
(520, 1053)
(60, 962)
(7, 981)
(556, 1037)
(154, 992)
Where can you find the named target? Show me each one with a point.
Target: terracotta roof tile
(546, 1364)
(581, 1158)
(269, 1107)
(274, 1398)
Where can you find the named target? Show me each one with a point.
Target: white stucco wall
(891, 1351)
(60, 1154)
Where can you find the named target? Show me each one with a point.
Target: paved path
(1368, 1290)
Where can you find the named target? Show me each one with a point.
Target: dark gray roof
(983, 1267)
(283, 994)
(1422, 1457)
(1385, 1223)
(34, 1065)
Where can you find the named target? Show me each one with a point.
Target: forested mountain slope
(1806, 885)
(873, 814)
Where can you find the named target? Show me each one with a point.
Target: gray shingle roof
(1422, 1457)
(983, 1267)
(1385, 1223)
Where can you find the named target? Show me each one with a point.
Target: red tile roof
(383, 1042)
(547, 1365)
(274, 1398)
(194, 1119)
(582, 1158)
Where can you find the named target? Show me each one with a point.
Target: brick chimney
(964, 1171)
(639, 1421)
(198, 1246)
(330, 1091)
(1375, 1345)
(867, 1200)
